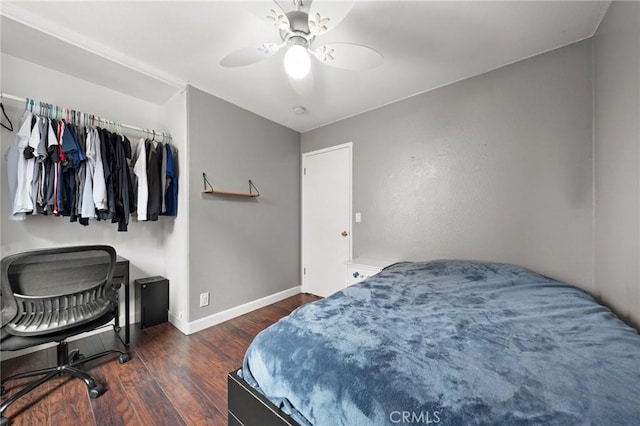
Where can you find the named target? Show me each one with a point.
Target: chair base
(66, 366)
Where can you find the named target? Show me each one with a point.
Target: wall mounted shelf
(210, 190)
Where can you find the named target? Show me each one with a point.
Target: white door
(326, 219)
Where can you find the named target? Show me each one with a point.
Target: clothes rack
(68, 163)
(148, 132)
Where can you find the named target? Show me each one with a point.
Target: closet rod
(126, 126)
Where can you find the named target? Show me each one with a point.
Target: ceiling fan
(299, 23)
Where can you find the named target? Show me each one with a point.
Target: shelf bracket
(252, 186)
(206, 182)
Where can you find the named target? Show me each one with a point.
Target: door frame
(349, 147)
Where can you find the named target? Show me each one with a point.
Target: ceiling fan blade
(250, 55)
(303, 86)
(268, 12)
(348, 56)
(325, 16)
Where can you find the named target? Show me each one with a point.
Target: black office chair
(50, 295)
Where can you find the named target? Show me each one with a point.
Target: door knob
(344, 233)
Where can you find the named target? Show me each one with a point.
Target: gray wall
(495, 167)
(617, 159)
(240, 249)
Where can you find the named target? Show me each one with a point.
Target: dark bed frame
(248, 407)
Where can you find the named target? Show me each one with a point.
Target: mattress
(452, 343)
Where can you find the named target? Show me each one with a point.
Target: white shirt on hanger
(23, 201)
(100, 199)
(16, 152)
(140, 170)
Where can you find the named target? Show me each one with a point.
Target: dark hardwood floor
(171, 379)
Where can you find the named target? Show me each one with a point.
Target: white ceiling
(151, 49)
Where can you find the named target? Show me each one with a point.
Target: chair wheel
(75, 355)
(96, 391)
(4, 421)
(123, 358)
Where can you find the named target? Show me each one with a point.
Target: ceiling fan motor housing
(298, 32)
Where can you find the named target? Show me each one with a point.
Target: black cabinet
(152, 301)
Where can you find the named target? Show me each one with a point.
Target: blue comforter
(451, 343)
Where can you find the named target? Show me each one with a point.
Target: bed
(443, 342)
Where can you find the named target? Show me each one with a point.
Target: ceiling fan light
(297, 62)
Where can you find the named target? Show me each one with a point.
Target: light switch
(358, 217)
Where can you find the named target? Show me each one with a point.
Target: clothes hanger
(4, 114)
(153, 139)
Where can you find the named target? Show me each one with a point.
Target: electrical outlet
(204, 299)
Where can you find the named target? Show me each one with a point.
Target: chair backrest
(50, 290)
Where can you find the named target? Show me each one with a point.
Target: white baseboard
(211, 320)
(178, 323)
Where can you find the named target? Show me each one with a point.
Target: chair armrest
(116, 283)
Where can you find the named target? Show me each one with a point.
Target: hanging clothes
(141, 183)
(80, 176)
(88, 207)
(67, 200)
(154, 167)
(163, 180)
(58, 125)
(171, 192)
(51, 167)
(125, 204)
(100, 198)
(14, 159)
(108, 157)
(61, 168)
(38, 181)
(23, 201)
